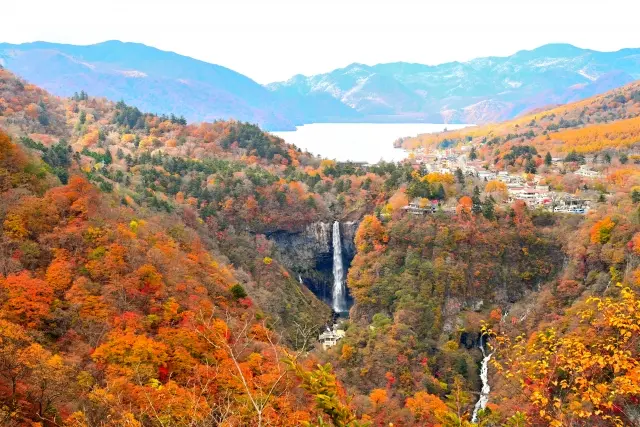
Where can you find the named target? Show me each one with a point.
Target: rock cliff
(309, 254)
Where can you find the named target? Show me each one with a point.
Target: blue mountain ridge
(476, 91)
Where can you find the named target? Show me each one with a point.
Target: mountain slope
(146, 77)
(608, 121)
(147, 290)
(478, 91)
(481, 90)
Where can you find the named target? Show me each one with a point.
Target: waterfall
(484, 393)
(339, 291)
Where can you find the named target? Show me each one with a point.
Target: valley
(161, 270)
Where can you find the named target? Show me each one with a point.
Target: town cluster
(528, 189)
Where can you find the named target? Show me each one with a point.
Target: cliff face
(348, 235)
(310, 254)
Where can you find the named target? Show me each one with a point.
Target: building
(587, 173)
(415, 207)
(504, 177)
(486, 175)
(572, 205)
(330, 337)
(532, 196)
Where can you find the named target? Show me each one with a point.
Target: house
(486, 175)
(416, 207)
(330, 337)
(532, 196)
(573, 205)
(504, 177)
(587, 173)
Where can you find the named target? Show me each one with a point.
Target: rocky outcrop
(349, 230)
(309, 254)
(300, 251)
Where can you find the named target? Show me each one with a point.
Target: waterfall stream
(339, 300)
(486, 388)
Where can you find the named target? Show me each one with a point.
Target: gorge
(483, 399)
(320, 255)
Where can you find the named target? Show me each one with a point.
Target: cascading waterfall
(339, 291)
(484, 377)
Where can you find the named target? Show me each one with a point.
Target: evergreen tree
(439, 193)
(623, 158)
(635, 196)
(573, 156)
(530, 166)
(477, 203)
(488, 210)
(43, 116)
(547, 159)
(460, 177)
(473, 154)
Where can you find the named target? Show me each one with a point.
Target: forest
(140, 285)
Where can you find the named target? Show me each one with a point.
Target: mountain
(608, 121)
(481, 90)
(478, 91)
(148, 78)
(153, 272)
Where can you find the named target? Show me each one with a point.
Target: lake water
(358, 142)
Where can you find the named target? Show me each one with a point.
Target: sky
(272, 40)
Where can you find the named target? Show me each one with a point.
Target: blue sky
(271, 40)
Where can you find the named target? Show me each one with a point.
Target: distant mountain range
(481, 90)
(478, 91)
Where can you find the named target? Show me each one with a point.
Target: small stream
(486, 388)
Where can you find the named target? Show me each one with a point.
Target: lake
(358, 142)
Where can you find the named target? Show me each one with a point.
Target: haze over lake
(359, 142)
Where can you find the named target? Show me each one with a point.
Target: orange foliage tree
(28, 299)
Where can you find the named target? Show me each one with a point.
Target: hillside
(161, 82)
(482, 90)
(605, 122)
(158, 273)
(124, 300)
(478, 91)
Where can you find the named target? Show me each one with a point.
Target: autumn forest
(152, 274)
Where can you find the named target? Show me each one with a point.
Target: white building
(572, 205)
(504, 177)
(587, 173)
(330, 337)
(414, 207)
(487, 175)
(531, 196)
